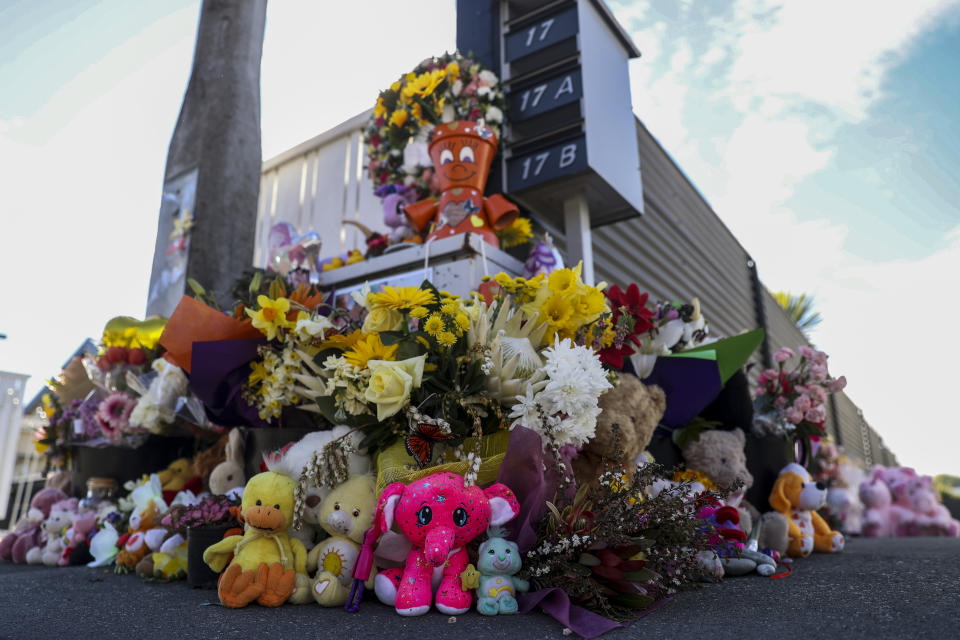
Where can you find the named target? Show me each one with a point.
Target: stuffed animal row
(899, 502)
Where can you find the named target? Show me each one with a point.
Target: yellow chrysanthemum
(401, 297)
(341, 341)
(399, 118)
(446, 339)
(434, 325)
(463, 322)
(516, 234)
(452, 70)
(370, 347)
(271, 316)
(419, 312)
(450, 308)
(395, 86)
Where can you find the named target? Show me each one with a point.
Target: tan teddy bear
(631, 413)
(719, 455)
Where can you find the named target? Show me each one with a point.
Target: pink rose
(806, 352)
(815, 415)
(837, 384)
(794, 416)
(783, 355)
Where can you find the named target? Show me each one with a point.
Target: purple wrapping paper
(218, 372)
(690, 384)
(522, 471)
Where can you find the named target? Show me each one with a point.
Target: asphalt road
(876, 589)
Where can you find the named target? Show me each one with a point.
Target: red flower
(634, 304)
(376, 140)
(613, 356)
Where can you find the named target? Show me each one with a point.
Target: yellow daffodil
(271, 316)
(434, 325)
(402, 297)
(590, 303)
(556, 310)
(369, 347)
(563, 281)
(258, 372)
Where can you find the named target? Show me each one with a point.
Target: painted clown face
(462, 155)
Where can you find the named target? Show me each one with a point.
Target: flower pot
(199, 575)
(766, 456)
(122, 463)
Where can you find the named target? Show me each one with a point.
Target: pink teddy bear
(881, 518)
(439, 516)
(928, 516)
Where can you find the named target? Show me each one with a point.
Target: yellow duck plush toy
(266, 560)
(346, 513)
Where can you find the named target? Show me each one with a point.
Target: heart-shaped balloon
(290, 250)
(124, 331)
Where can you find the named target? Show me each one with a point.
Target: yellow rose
(391, 383)
(382, 319)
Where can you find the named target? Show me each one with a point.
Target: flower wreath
(450, 87)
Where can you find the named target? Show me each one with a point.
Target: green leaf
(409, 349)
(197, 288)
(641, 575)
(391, 337)
(589, 560)
(553, 509)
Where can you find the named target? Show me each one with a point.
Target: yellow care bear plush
(346, 513)
(266, 560)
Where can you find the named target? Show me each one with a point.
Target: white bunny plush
(227, 478)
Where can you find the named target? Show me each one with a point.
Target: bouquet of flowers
(618, 546)
(443, 89)
(790, 402)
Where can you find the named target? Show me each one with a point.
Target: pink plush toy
(59, 520)
(928, 517)
(79, 534)
(880, 517)
(439, 516)
(26, 537)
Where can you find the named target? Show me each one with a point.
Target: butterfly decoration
(425, 432)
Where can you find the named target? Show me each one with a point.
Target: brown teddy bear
(631, 412)
(719, 455)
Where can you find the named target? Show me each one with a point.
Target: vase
(766, 455)
(199, 575)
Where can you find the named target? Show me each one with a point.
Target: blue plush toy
(498, 560)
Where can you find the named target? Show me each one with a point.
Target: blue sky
(825, 135)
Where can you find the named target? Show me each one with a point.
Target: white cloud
(767, 84)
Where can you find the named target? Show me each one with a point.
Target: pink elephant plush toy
(439, 516)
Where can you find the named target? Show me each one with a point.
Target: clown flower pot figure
(462, 153)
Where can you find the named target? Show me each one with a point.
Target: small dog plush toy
(265, 559)
(798, 497)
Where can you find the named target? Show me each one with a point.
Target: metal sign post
(570, 155)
